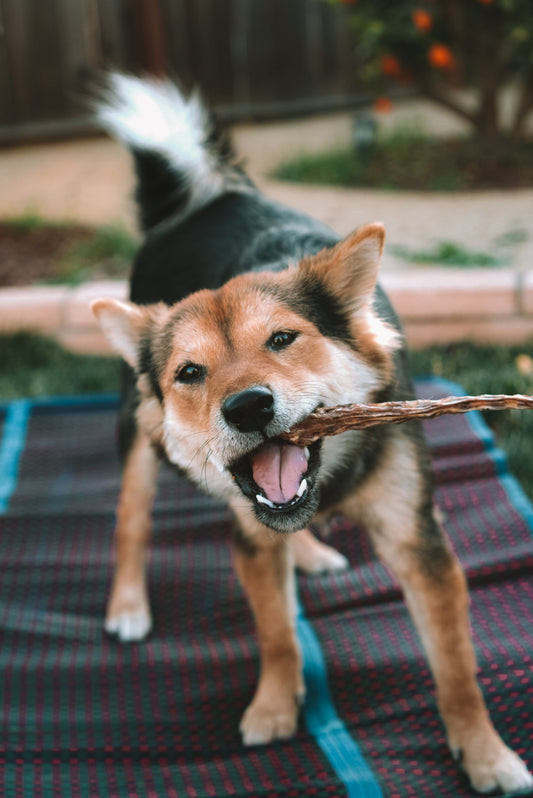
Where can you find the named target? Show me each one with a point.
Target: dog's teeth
(264, 500)
(307, 453)
(302, 488)
(299, 494)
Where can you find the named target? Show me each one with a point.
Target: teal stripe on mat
(83, 401)
(322, 721)
(11, 448)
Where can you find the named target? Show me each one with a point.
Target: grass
(29, 221)
(407, 158)
(35, 366)
(491, 369)
(449, 253)
(32, 365)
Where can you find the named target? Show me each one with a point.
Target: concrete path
(91, 180)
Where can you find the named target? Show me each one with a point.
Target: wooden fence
(252, 58)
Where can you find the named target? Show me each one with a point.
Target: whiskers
(202, 454)
(203, 473)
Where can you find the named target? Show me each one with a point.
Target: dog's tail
(183, 160)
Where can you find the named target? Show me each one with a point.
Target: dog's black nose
(249, 410)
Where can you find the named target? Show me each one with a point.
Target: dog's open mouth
(278, 470)
(278, 477)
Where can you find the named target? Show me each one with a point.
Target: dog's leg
(128, 611)
(313, 556)
(395, 508)
(438, 602)
(264, 564)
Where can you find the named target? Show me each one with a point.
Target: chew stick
(333, 420)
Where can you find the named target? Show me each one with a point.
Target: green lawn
(34, 366)
(491, 369)
(31, 365)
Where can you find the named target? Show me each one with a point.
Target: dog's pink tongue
(278, 469)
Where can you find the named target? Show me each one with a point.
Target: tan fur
(267, 576)
(387, 502)
(149, 413)
(128, 606)
(439, 608)
(348, 274)
(350, 269)
(225, 332)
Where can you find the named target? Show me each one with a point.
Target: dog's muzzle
(276, 476)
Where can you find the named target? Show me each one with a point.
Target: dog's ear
(123, 324)
(349, 270)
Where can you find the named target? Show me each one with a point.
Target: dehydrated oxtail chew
(333, 420)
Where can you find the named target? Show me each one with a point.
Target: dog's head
(223, 373)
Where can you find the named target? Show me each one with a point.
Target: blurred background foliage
(440, 47)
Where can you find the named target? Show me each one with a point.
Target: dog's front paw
(129, 625)
(324, 561)
(496, 767)
(128, 614)
(314, 557)
(264, 722)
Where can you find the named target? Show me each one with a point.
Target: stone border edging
(436, 305)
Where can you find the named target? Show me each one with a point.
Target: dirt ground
(31, 256)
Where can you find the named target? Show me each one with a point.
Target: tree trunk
(487, 123)
(523, 109)
(488, 61)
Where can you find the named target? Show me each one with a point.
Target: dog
(244, 317)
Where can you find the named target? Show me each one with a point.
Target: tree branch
(431, 92)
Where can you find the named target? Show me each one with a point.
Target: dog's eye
(190, 372)
(281, 339)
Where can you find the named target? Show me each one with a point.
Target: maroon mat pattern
(81, 715)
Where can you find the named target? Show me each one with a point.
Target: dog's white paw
(129, 625)
(329, 559)
(314, 557)
(262, 723)
(498, 769)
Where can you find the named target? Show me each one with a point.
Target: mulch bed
(32, 255)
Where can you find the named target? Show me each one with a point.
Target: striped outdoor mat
(81, 715)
